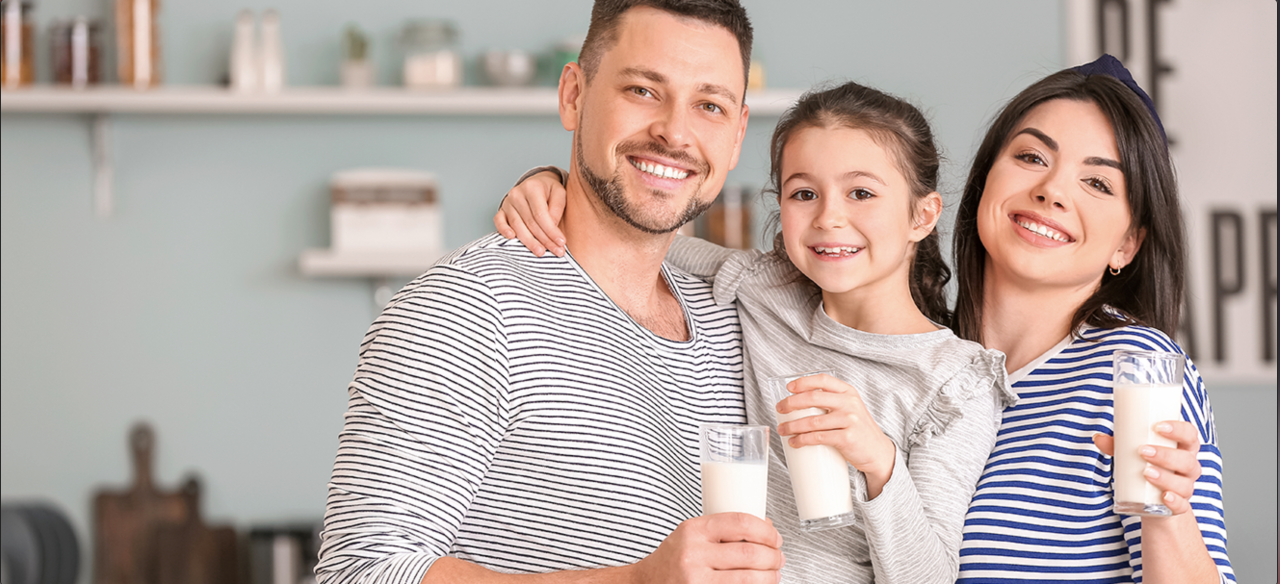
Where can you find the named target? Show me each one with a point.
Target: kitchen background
(185, 305)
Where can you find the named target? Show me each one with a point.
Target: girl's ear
(928, 212)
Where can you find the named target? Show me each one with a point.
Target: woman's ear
(1128, 248)
(927, 213)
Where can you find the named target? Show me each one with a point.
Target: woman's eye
(1031, 158)
(804, 195)
(861, 194)
(1098, 184)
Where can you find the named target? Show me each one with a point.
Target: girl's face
(1055, 210)
(846, 211)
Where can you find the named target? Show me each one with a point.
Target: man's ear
(573, 84)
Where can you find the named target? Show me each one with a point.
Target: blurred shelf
(331, 263)
(479, 101)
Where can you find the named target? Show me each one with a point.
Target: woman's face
(1055, 209)
(846, 210)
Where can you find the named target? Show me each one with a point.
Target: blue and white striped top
(1042, 511)
(504, 411)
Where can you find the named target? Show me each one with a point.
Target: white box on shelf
(384, 210)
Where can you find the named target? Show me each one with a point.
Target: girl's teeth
(660, 170)
(837, 250)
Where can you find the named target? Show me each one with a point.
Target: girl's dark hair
(1149, 290)
(901, 129)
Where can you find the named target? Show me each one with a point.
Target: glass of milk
(819, 474)
(735, 468)
(1148, 390)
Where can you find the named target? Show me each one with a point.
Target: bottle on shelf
(138, 43)
(17, 43)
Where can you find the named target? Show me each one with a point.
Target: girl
(854, 284)
(1069, 246)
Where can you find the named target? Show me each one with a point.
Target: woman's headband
(1112, 67)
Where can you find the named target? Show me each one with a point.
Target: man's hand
(726, 547)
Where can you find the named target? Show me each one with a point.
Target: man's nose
(672, 127)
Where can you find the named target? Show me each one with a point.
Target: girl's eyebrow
(848, 175)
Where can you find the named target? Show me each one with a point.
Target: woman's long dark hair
(904, 131)
(1149, 290)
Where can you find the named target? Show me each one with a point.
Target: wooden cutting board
(194, 553)
(126, 522)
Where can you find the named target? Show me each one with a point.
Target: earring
(1114, 271)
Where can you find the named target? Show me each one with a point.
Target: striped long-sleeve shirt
(505, 412)
(1042, 511)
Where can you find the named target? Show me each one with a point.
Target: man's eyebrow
(719, 90)
(1043, 137)
(649, 74)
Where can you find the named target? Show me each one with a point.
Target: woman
(1069, 246)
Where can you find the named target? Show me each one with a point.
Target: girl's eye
(861, 194)
(1098, 184)
(804, 195)
(1031, 158)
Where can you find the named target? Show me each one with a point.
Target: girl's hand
(847, 426)
(531, 212)
(1173, 470)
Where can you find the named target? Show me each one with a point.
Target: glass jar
(76, 47)
(431, 59)
(17, 43)
(137, 43)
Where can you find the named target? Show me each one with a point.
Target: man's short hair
(606, 14)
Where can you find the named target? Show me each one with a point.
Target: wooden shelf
(331, 263)
(534, 101)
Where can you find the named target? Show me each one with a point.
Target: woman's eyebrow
(1043, 137)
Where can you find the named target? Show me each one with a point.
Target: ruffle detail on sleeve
(733, 272)
(984, 375)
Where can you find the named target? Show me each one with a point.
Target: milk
(819, 476)
(734, 487)
(1138, 408)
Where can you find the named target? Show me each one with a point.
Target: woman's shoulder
(1133, 337)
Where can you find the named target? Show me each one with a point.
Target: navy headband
(1112, 67)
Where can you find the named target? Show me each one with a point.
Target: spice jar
(137, 43)
(17, 44)
(431, 59)
(76, 48)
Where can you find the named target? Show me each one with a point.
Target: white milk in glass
(734, 487)
(819, 476)
(1138, 408)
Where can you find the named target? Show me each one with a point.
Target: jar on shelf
(76, 47)
(137, 43)
(17, 43)
(431, 58)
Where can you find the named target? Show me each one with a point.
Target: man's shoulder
(483, 265)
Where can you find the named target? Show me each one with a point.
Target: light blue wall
(186, 308)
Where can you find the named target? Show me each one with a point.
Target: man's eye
(712, 108)
(642, 92)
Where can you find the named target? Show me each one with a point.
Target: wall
(186, 307)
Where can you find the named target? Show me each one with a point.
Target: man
(517, 414)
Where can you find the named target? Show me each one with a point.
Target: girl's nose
(831, 215)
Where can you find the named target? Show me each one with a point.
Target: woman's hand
(531, 212)
(847, 426)
(1173, 470)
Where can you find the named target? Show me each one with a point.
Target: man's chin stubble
(612, 194)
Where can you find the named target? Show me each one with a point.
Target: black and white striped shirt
(505, 412)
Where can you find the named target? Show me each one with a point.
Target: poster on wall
(1210, 67)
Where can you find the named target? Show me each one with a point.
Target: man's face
(661, 122)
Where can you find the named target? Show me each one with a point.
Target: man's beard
(610, 191)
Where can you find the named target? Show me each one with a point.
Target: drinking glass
(735, 468)
(1147, 390)
(819, 473)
